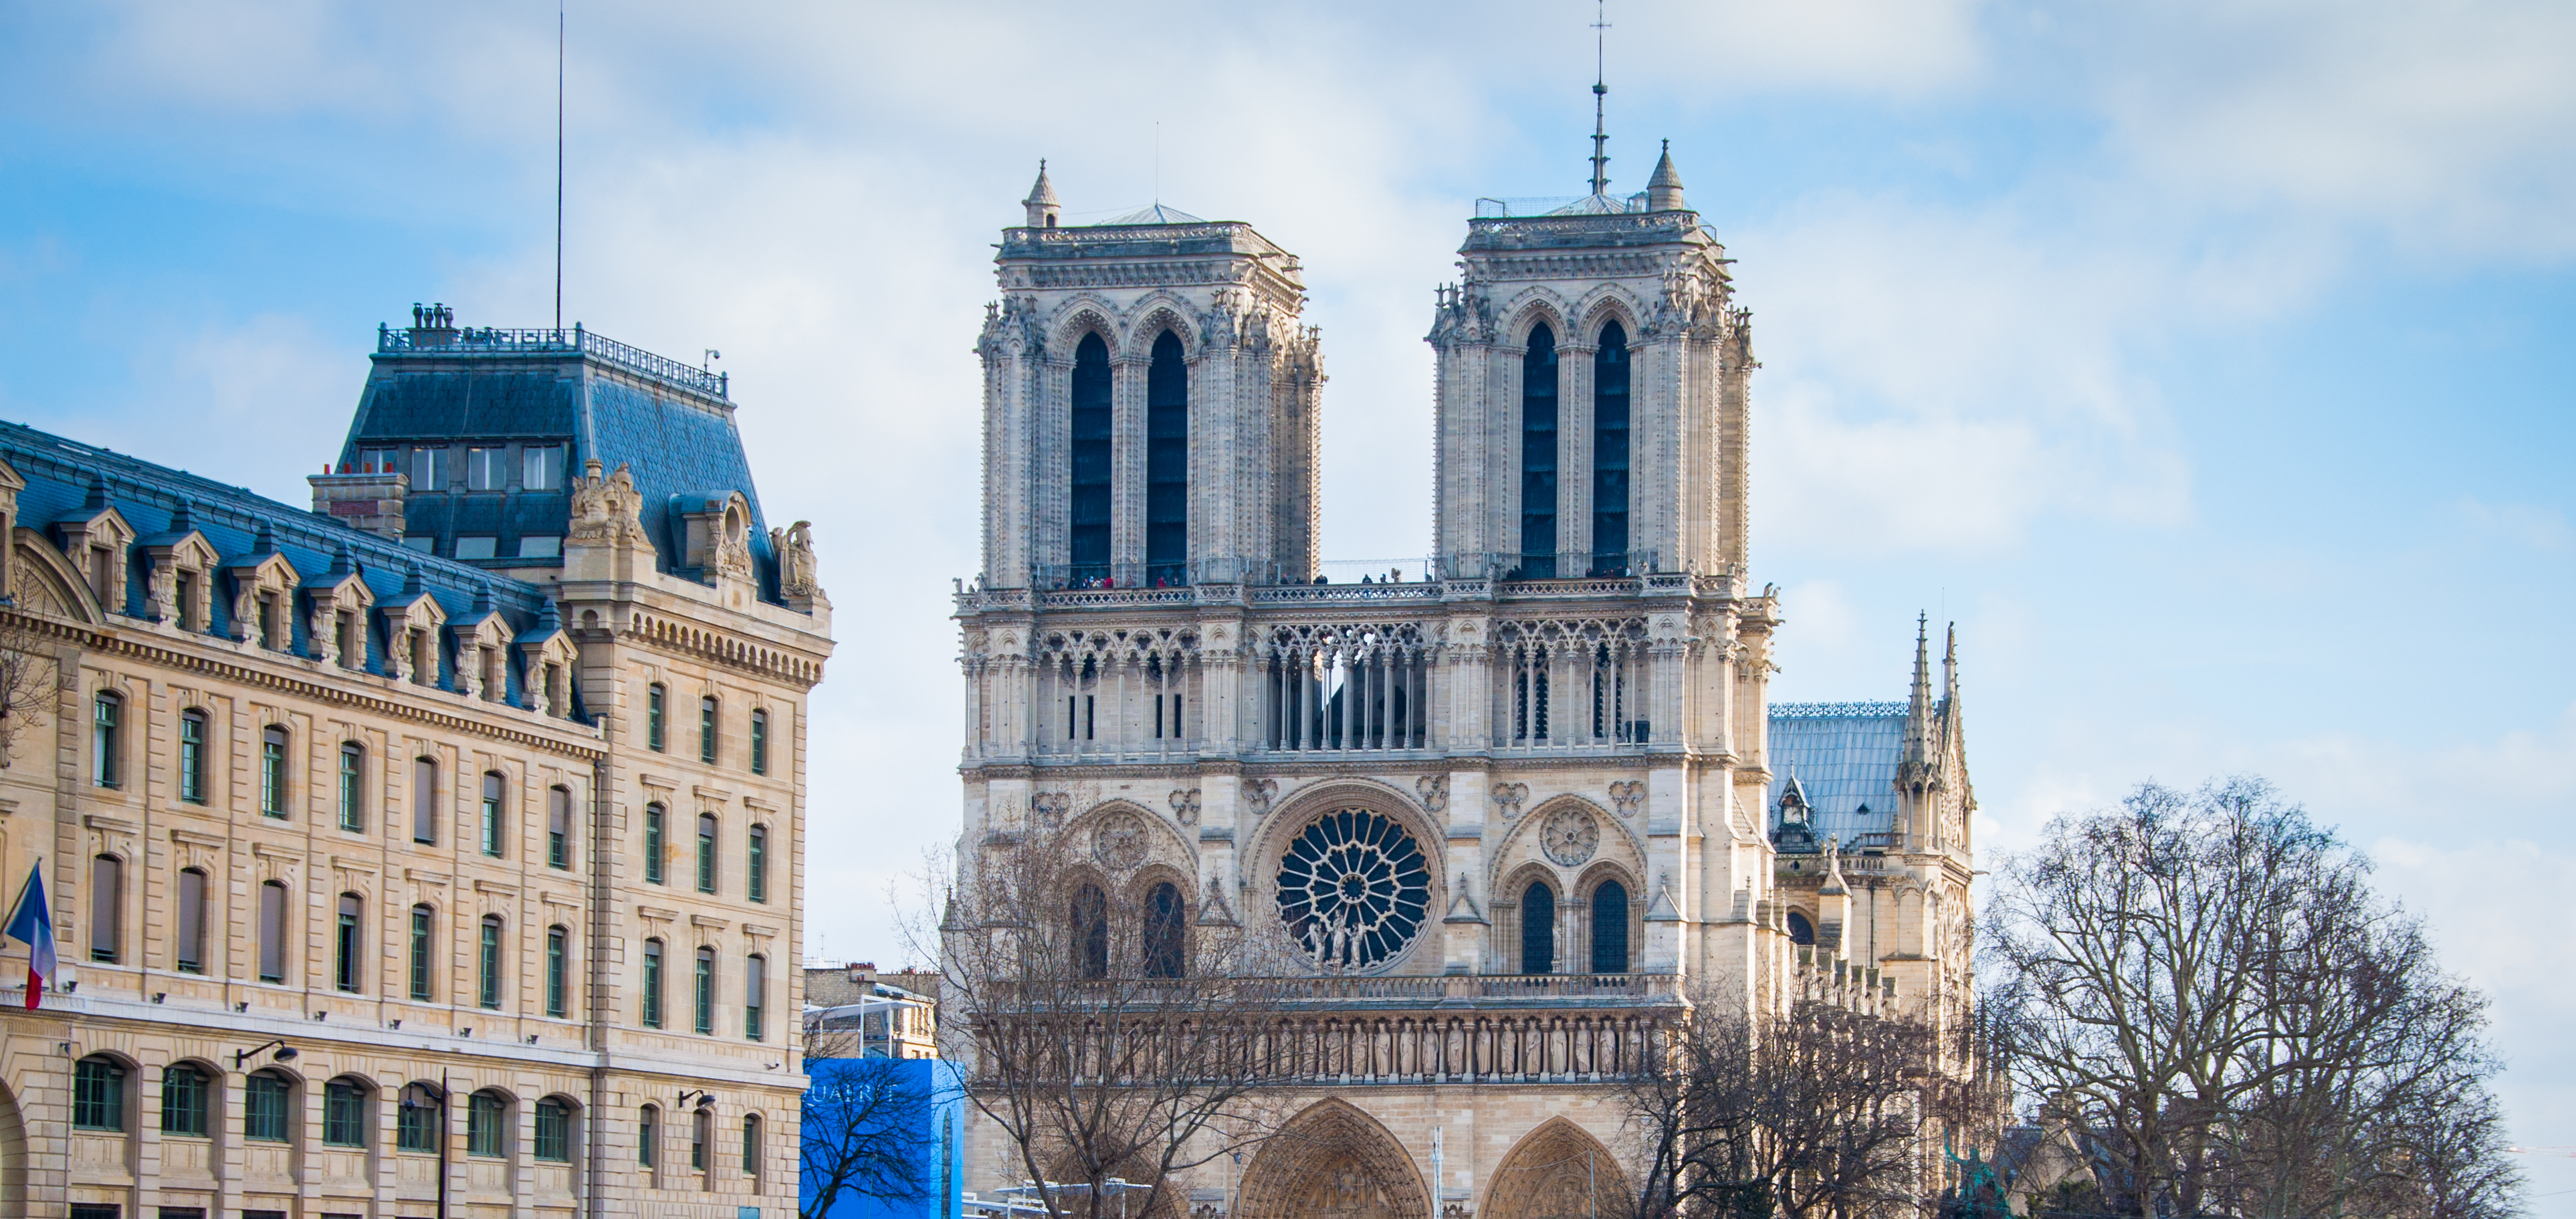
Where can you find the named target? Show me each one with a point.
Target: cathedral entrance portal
(1333, 1162)
(1557, 1172)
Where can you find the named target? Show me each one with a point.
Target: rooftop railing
(442, 340)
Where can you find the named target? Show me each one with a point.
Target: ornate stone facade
(1549, 752)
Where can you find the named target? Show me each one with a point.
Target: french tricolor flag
(31, 922)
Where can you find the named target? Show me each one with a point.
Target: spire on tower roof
(1918, 708)
(1664, 189)
(1600, 91)
(1043, 206)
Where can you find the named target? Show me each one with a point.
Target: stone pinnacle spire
(1664, 189)
(1918, 710)
(1042, 203)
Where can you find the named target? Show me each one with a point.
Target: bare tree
(1822, 1111)
(864, 1124)
(1109, 1038)
(31, 682)
(2207, 988)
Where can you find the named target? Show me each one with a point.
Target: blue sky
(2206, 362)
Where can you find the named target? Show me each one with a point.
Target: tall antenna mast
(1600, 90)
(559, 160)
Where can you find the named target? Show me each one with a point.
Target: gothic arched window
(1087, 527)
(1091, 932)
(1800, 930)
(1164, 928)
(1538, 929)
(1610, 928)
(1610, 452)
(1167, 463)
(1538, 455)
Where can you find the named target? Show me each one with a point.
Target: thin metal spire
(559, 160)
(1600, 90)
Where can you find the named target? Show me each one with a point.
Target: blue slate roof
(1844, 757)
(69, 480)
(671, 424)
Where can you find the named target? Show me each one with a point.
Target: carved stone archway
(1332, 1162)
(1557, 1172)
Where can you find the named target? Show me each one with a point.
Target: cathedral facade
(1510, 809)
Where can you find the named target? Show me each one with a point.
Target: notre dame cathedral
(1509, 807)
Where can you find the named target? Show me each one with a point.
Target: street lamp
(285, 1053)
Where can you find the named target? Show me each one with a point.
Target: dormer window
(430, 468)
(487, 469)
(189, 618)
(476, 547)
(542, 468)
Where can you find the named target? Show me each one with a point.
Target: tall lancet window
(1088, 523)
(1538, 456)
(1610, 453)
(1167, 463)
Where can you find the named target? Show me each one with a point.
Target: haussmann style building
(430, 851)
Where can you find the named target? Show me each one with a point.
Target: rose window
(1354, 889)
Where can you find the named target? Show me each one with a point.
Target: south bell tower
(1149, 405)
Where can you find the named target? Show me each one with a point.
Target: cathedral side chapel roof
(1843, 755)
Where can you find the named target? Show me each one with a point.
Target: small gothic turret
(1042, 203)
(1918, 708)
(1664, 190)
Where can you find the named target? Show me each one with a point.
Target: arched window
(653, 823)
(272, 931)
(656, 706)
(1610, 928)
(186, 1089)
(487, 1125)
(648, 1136)
(106, 741)
(755, 868)
(106, 908)
(1164, 930)
(98, 1094)
(1538, 929)
(189, 954)
(652, 998)
(751, 1148)
(268, 1107)
(353, 787)
(554, 1131)
(707, 730)
(1091, 932)
(272, 771)
(345, 956)
(348, 1106)
(702, 991)
(1801, 931)
(559, 827)
(487, 964)
(492, 827)
(424, 800)
(1610, 452)
(755, 996)
(558, 983)
(420, 1123)
(1087, 522)
(759, 741)
(1167, 463)
(423, 948)
(706, 852)
(1538, 455)
(192, 756)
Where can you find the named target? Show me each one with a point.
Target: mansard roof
(1844, 756)
(672, 424)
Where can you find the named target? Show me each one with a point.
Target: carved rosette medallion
(1569, 837)
(1119, 843)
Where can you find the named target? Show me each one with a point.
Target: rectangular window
(416, 1126)
(192, 756)
(542, 467)
(755, 878)
(190, 952)
(652, 844)
(760, 742)
(554, 1132)
(272, 932)
(492, 815)
(353, 769)
(487, 469)
(487, 965)
(648, 1133)
(344, 1115)
(556, 1000)
(344, 945)
(424, 800)
(420, 952)
(272, 772)
(98, 1095)
(652, 984)
(558, 828)
(268, 637)
(751, 1145)
(183, 1100)
(705, 991)
(477, 546)
(653, 715)
(430, 468)
(485, 1125)
(707, 731)
(106, 718)
(706, 854)
(533, 546)
(187, 598)
(265, 1100)
(353, 651)
(106, 908)
(755, 984)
